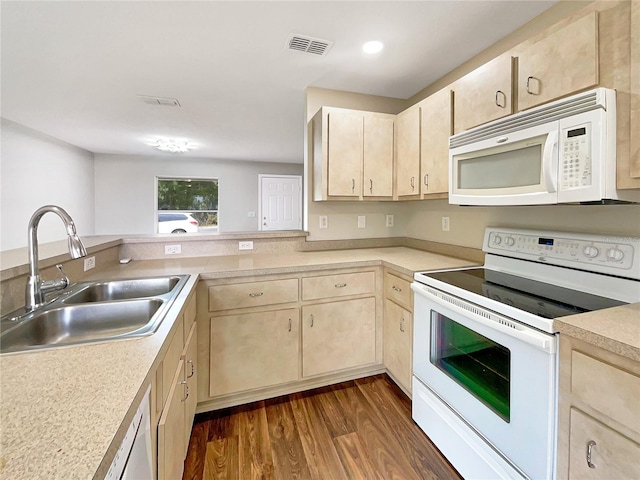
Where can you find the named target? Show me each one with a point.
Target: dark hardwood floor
(353, 430)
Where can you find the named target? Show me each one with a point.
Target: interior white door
(281, 202)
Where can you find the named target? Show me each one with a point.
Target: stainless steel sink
(123, 290)
(93, 312)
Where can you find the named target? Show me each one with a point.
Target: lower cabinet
(176, 397)
(253, 350)
(397, 335)
(338, 335)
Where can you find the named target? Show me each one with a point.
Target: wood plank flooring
(360, 429)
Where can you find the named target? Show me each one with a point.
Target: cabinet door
(344, 153)
(253, 350)
(397, 342)
(613, 456)
(191, 376)
(564, 62)
(484, 94)
(408, 152)
(635, 91)
(378, 155)
(338, 335)
(435, 131)
(171, 441)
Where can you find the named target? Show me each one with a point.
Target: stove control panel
(598, 253)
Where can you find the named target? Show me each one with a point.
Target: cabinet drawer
(612, 455)
(340, 285)
(252, 294)
(610, 390)
(398, 290)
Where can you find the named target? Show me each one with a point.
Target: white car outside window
(177, 223)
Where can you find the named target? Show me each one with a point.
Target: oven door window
(478, 364)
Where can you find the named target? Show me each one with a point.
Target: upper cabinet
(408, 152)
(562, 62)
(483, 95)
(634, 163)
(352, 154)
(435, 129)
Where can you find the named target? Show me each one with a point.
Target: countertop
(64, 411)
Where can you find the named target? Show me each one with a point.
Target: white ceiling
(73, 70)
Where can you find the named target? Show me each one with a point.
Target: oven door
(496, 374)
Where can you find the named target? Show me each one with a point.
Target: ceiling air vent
(164, 101)
(304, 44)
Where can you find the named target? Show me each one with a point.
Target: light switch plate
(172, 249)
(251, 214)
(246, 245)
(362, 221)
(89, 263)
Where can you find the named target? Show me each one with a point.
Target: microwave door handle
(549, 162)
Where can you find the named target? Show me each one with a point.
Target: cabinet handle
(529, 78)
(186, 389)
(590, 446)
(397, 289)
(289, 324)
(259, 294)
(402, 324)
(340, 285)
(371, 185)
(413, 183)
(311, 320)
(426, 180)
(504, 99)
(353, 185)
(193, 369)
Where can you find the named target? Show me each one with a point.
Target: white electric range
(485, 348)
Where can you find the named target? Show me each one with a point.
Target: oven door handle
(499, 323)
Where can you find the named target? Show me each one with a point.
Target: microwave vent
(550, 112)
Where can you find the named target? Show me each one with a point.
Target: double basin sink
(94, 312)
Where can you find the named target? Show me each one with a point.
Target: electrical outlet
(324, 221)
(251, 214)
(172, 249)
(445, 224)
(389, 220)
(89, 263)
(246, 245)
(362, 221)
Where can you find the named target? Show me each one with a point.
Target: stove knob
(590, 251)
(497, 239)
(615, 255)
(509, 241)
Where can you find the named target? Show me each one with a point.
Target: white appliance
(485, 350)
(133, 460)
(561, 152)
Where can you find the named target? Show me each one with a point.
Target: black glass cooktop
(539, 298)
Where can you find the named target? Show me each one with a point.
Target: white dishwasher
(133, 459)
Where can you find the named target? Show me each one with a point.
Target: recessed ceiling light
(171, 145)
(373, 46)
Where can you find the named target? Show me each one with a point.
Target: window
(187, 205)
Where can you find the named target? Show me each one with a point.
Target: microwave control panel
(575, 157)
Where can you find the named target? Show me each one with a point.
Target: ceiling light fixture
(171, 145)
(372, 47)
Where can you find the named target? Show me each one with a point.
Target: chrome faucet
(36, 288)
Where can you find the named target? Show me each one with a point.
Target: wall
(39, 170)
(343, 216)
(125, 189)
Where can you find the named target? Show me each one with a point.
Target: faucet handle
(64, 278)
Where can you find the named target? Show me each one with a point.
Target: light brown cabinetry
(352, 154)
(562, 62)
(338, 336)
(599, 413)
(398, 329)
(483, 95)
(252, 294)
(634, 164)
(408, 152)
(253, 350)
(176, 390)
(435, 129)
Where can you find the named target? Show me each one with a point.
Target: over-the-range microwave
(561, 152)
